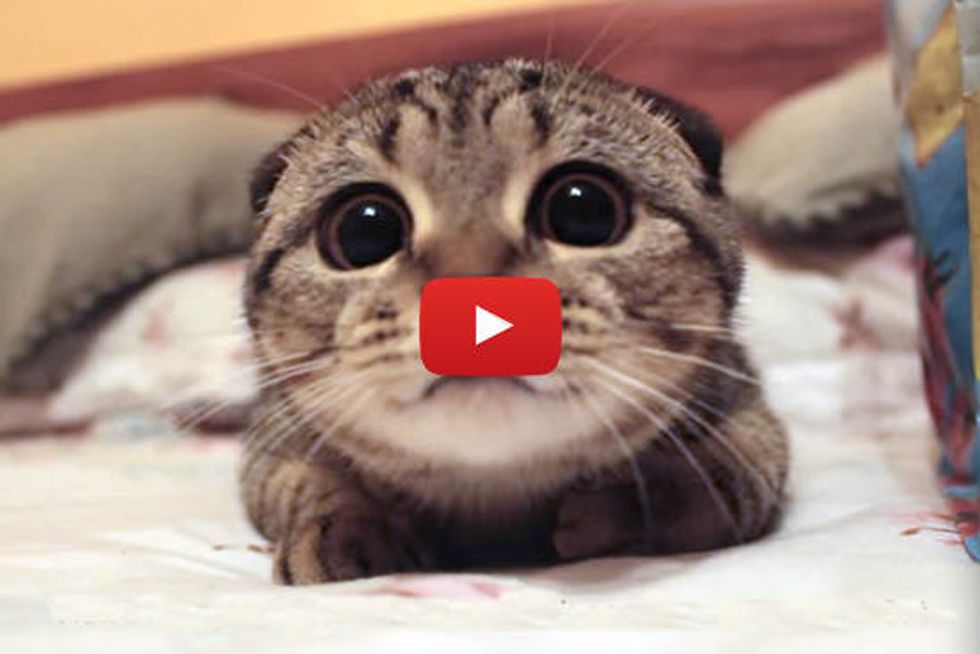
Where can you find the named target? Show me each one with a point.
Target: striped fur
(651, 436)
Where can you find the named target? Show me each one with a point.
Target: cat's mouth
(447, 383)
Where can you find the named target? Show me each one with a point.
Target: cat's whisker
(198, 417)
(709, 484)
(710, 332)
(265, 361)
(282, 405)
(255, 369)
(575, 404)
(347, 412)
(708, 329)
(322, 400)
(261, 362)
(265, 429)
(317, 104)
(566, 89)
(563, 92)
(622, 47)
(294, 370)
(700, 361)
(327, 393)
(718, 436)
(642, 490)
(286, 421)
(696, 326)
(608, 25)
(721, 338)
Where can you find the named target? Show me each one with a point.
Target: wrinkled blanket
(124, 533)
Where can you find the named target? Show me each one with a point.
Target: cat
(652, 435)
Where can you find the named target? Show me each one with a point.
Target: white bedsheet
(132, 540)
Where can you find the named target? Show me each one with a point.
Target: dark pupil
(581, 213)
(369, 232)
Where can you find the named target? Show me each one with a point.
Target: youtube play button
(490, 326)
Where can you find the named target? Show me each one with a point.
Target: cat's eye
(364, 227)
(580, 205)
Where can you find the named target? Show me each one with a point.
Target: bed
(128, 536)
(123, 531)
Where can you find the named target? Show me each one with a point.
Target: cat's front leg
(597, 521)
(326, 528)
(344, 544)
(722, 487)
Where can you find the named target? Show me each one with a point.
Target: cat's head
(512, 168)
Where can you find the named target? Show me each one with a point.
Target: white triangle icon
(489, 325)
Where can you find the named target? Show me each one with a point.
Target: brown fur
(651, 436)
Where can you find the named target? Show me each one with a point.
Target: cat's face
(510, 169)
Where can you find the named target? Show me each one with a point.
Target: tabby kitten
(651, 436)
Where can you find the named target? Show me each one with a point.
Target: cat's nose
(468, 256)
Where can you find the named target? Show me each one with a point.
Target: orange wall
(44, 39)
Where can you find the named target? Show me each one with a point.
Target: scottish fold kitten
(651, 436)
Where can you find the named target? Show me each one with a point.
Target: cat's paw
(593, 523)
(341, 548)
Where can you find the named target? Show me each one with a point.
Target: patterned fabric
(131, 538)
(934, 167)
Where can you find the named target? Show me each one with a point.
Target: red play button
(490, 326)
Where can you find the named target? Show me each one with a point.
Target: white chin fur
(482, 423)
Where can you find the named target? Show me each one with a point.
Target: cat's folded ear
(266, 174)
(694, 127)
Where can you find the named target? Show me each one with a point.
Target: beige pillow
(95, 203)
(823, 165)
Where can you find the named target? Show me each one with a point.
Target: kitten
(651, 436)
